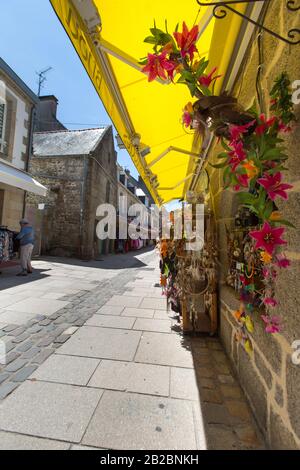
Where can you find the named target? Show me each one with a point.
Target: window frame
(2, 135)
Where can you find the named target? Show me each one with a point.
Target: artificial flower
(186, 40)
(272, 323)
(264, 124)
(159, 66)
(274, 186)
(237, 155)
(276, 215)
(270, 302)
(206, 80)
(237, 314)
(282, 261)
(187, 117)
(268, 238)
(243, 180)
(236, 132)
(283, 128)
(265, 257)
(251, 169)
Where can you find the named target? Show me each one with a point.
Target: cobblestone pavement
(94, 360)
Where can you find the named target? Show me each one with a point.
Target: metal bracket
(220, 12)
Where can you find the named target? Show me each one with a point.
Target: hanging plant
(175, 59)
(253, 160)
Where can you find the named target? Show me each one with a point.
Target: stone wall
(77, 185)
(269, 378)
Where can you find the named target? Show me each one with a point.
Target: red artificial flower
(282, 261)
(237, 155)
(265, 124)
(272, 323)
(186, 119)
(243, 181)
(206, 80)
(273, 185)
(283, 128)
(236, 132)
(268, 238)
(186, 40)
(158, 66)
(270, 301)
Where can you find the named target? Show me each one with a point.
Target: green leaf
(225, 146)
(219, 165)
(284, 222)
(204, 90)
(201, 67)
(247, 198)
(150, 40)
(222, 155)
(156, 31)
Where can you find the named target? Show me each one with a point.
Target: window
(2, 124)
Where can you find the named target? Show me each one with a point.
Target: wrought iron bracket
(220, 10)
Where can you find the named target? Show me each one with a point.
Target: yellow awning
(108, 37)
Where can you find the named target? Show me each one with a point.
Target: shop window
(1, 205)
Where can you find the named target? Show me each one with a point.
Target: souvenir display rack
(188, 279)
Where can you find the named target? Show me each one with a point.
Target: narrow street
(94, 360)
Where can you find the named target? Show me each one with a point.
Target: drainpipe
(82, 198)
(29, 148)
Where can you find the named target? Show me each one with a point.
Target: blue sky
(32, 39)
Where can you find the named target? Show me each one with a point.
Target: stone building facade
(269, 377)
(17, 107)
(79, 169)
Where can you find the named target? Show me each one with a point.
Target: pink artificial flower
(187, 119)
(186, 40)
(270, 301)
(283, 128)
(236, 132)
(282, 261)
(268, 238)
(237, 155)
(273, 185)
(265, 124)
(272, 323)
(243, 181)
(206, 80)
(157, 66)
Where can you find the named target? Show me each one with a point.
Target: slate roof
(63, 143)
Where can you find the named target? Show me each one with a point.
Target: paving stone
(24, 373)
(17, 332)
(162, 349)
(67, 369)
(79, 322)
(11, 357)
(59, 320)
(12, 441)
(122, 301)
(37, 408)
(40, 317)
(45, 342)
(15, 365)
(154, 302)
(43, 356)
(31, 323)
(149, 324)
(21, 338)
(10, 328)
(34, 329)
(31, 353)
(112, 321)
(103, 343)
(3, 376)
(9, 346)
(147, 422)
(6, 389)
(2, 333)
(184, 384)
(62, 339)
(71, 330)
(45, 322)
(132, 377)
(138, 312)
(24, 347)
(54, 316)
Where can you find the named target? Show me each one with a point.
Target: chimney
(46, 110)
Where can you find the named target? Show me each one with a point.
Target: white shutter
(2, 124)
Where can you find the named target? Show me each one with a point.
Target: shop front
(14, 183)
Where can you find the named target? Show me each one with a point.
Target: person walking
(26, 237)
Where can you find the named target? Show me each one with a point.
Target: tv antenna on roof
(42, 78)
